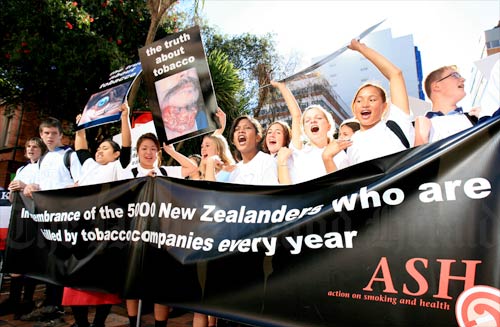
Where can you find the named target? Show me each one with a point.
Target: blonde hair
(328, 117)
(222, 148)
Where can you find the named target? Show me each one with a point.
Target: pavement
(117, 317)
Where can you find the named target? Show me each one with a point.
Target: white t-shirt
(261, 170)
(172, 171)
(307, 163)
(95, 173)
(27, 173)
(380, 141)
(53, 174)
(447, 125)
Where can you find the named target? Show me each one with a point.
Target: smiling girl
(376, 138)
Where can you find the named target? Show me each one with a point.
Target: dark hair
(196, 158)
(352, 125)
(287, 134)
(152, 137)
(434, 76)
(256, 125)
(114, 145)
(39, 142)
(50, 122)
(148, 136)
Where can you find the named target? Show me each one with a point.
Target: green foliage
(55, 54)
(254, 56)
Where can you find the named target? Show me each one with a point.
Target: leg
(161, 315)
(132, 311)
(80, 312)
(200, 320)
(101, 313)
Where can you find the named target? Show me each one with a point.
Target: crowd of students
(280, 155)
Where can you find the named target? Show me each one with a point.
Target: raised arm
(80, 137)
(295, 112)
(222, 120)
(188, 167)
(397, 85)
(126, 134)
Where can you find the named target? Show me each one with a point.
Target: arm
(222, 119)
(188, 167)
(295, 112)
(283, 169)
(80, 137)
(399, 96)
(210, 168)
(126, 134)
(422, 130)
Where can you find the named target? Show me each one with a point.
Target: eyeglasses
(454, 75)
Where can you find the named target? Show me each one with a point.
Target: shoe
(35, 315)
(7, 307)
(59, 322)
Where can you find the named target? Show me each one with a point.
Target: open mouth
(314, 129)
(365, 114)
(242, 139)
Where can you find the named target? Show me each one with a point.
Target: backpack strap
(473, 119)
(67, 160)
(163, 171)
(394, 127)
(135, 171)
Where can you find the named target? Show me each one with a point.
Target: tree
(55, 53)
(254, 56)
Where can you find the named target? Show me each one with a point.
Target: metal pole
(139, 309)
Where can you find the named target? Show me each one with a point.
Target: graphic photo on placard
(180, 89)
(181, 103)
(105, 105)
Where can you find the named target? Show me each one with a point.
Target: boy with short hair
(53, 171)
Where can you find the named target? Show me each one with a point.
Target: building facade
(348, 71)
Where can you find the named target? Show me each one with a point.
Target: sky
(446, 32)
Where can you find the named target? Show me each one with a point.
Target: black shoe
(7, 307)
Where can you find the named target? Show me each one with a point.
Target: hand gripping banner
(393, 241)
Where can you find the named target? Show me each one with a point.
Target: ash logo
(478, 306)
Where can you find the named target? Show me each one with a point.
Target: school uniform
(95, 173)
(138, 171)
(53, 173)
(443, 125)
(27, 173)
(307, 163)
(380, 140)
(261, 170)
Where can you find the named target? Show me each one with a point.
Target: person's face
(33, 151)
(51, 137)
(451, 86)
(245, 137)
(147, 153)
(208, 148)
(316, 125)
(106, 154)
(345, 133)
(369, 107)
(179, 113)
(275, 138)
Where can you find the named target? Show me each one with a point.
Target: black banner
(411, 239)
